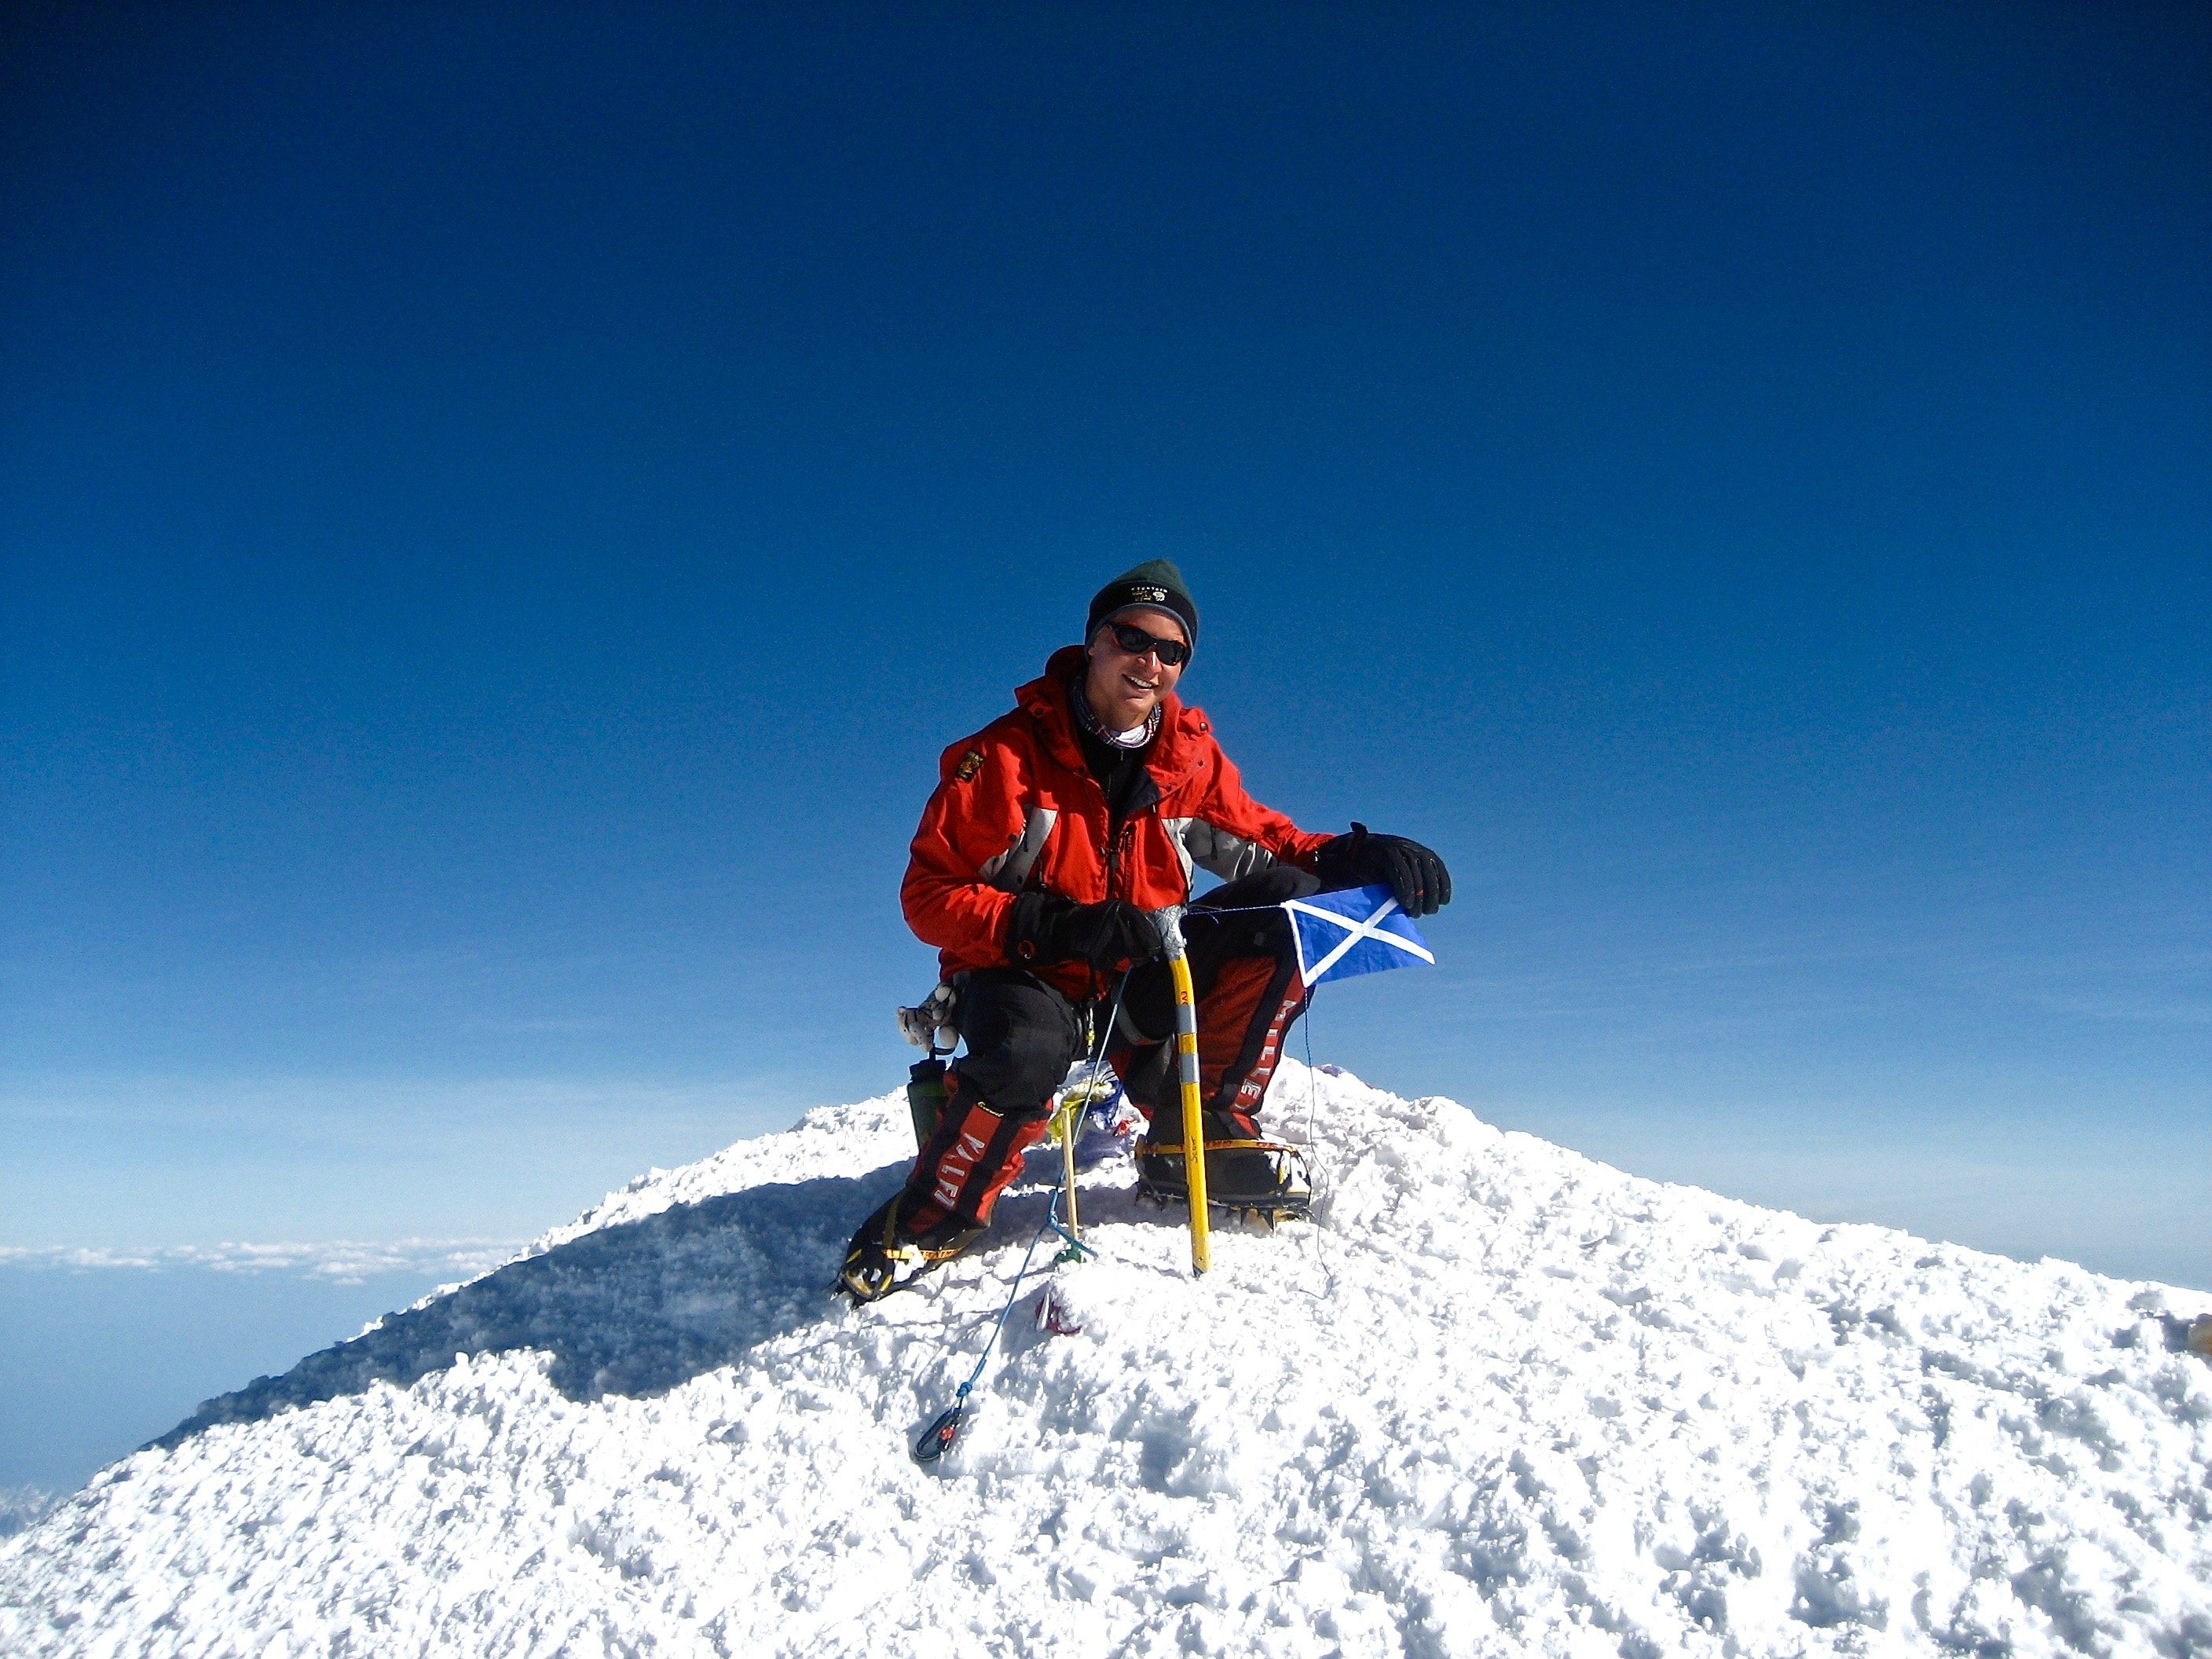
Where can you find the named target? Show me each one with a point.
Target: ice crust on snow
(1499, 1399)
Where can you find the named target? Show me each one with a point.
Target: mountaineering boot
(1243, 1171)
(884, 1257)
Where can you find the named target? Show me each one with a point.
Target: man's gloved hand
(1110, 936)
(1416, 876)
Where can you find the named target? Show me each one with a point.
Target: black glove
(1110, 936)
(1416, 876)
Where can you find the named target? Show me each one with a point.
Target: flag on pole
(1360, 930)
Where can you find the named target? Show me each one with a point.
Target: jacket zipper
(1117, 843)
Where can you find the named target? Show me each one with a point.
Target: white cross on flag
(1360, 930)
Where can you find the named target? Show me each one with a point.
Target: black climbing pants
(1022, 1035)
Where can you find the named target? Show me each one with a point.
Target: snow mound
(1498, 1399)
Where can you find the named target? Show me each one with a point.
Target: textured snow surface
(1500, 1399)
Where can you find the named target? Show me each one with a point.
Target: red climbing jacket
(1016, 808)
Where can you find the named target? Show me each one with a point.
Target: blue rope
(938, 1437)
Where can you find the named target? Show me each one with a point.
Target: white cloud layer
(339, 1260)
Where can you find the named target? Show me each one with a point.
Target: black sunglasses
(1136, 642)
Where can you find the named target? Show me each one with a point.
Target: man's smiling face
(1124, 687)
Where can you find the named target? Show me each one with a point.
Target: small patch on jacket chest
(970, 764)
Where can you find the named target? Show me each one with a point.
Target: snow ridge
(1499, 1399)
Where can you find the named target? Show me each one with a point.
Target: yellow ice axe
(1072, 1115)
(1194, 1126)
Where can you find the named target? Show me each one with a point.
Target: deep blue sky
(502, 508)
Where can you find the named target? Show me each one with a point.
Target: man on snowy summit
(1053, 833)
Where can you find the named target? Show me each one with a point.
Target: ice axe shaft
(1194, 1128)
(1072, 1113)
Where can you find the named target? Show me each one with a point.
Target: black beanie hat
(1156, 582)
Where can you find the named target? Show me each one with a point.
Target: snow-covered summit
(1498, 1399)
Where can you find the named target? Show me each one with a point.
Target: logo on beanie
(1157, 595)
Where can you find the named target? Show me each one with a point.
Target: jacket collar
(1174, 751)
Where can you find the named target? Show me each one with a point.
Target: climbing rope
(938, 1438)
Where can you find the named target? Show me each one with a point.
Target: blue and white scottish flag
(1360, 930)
